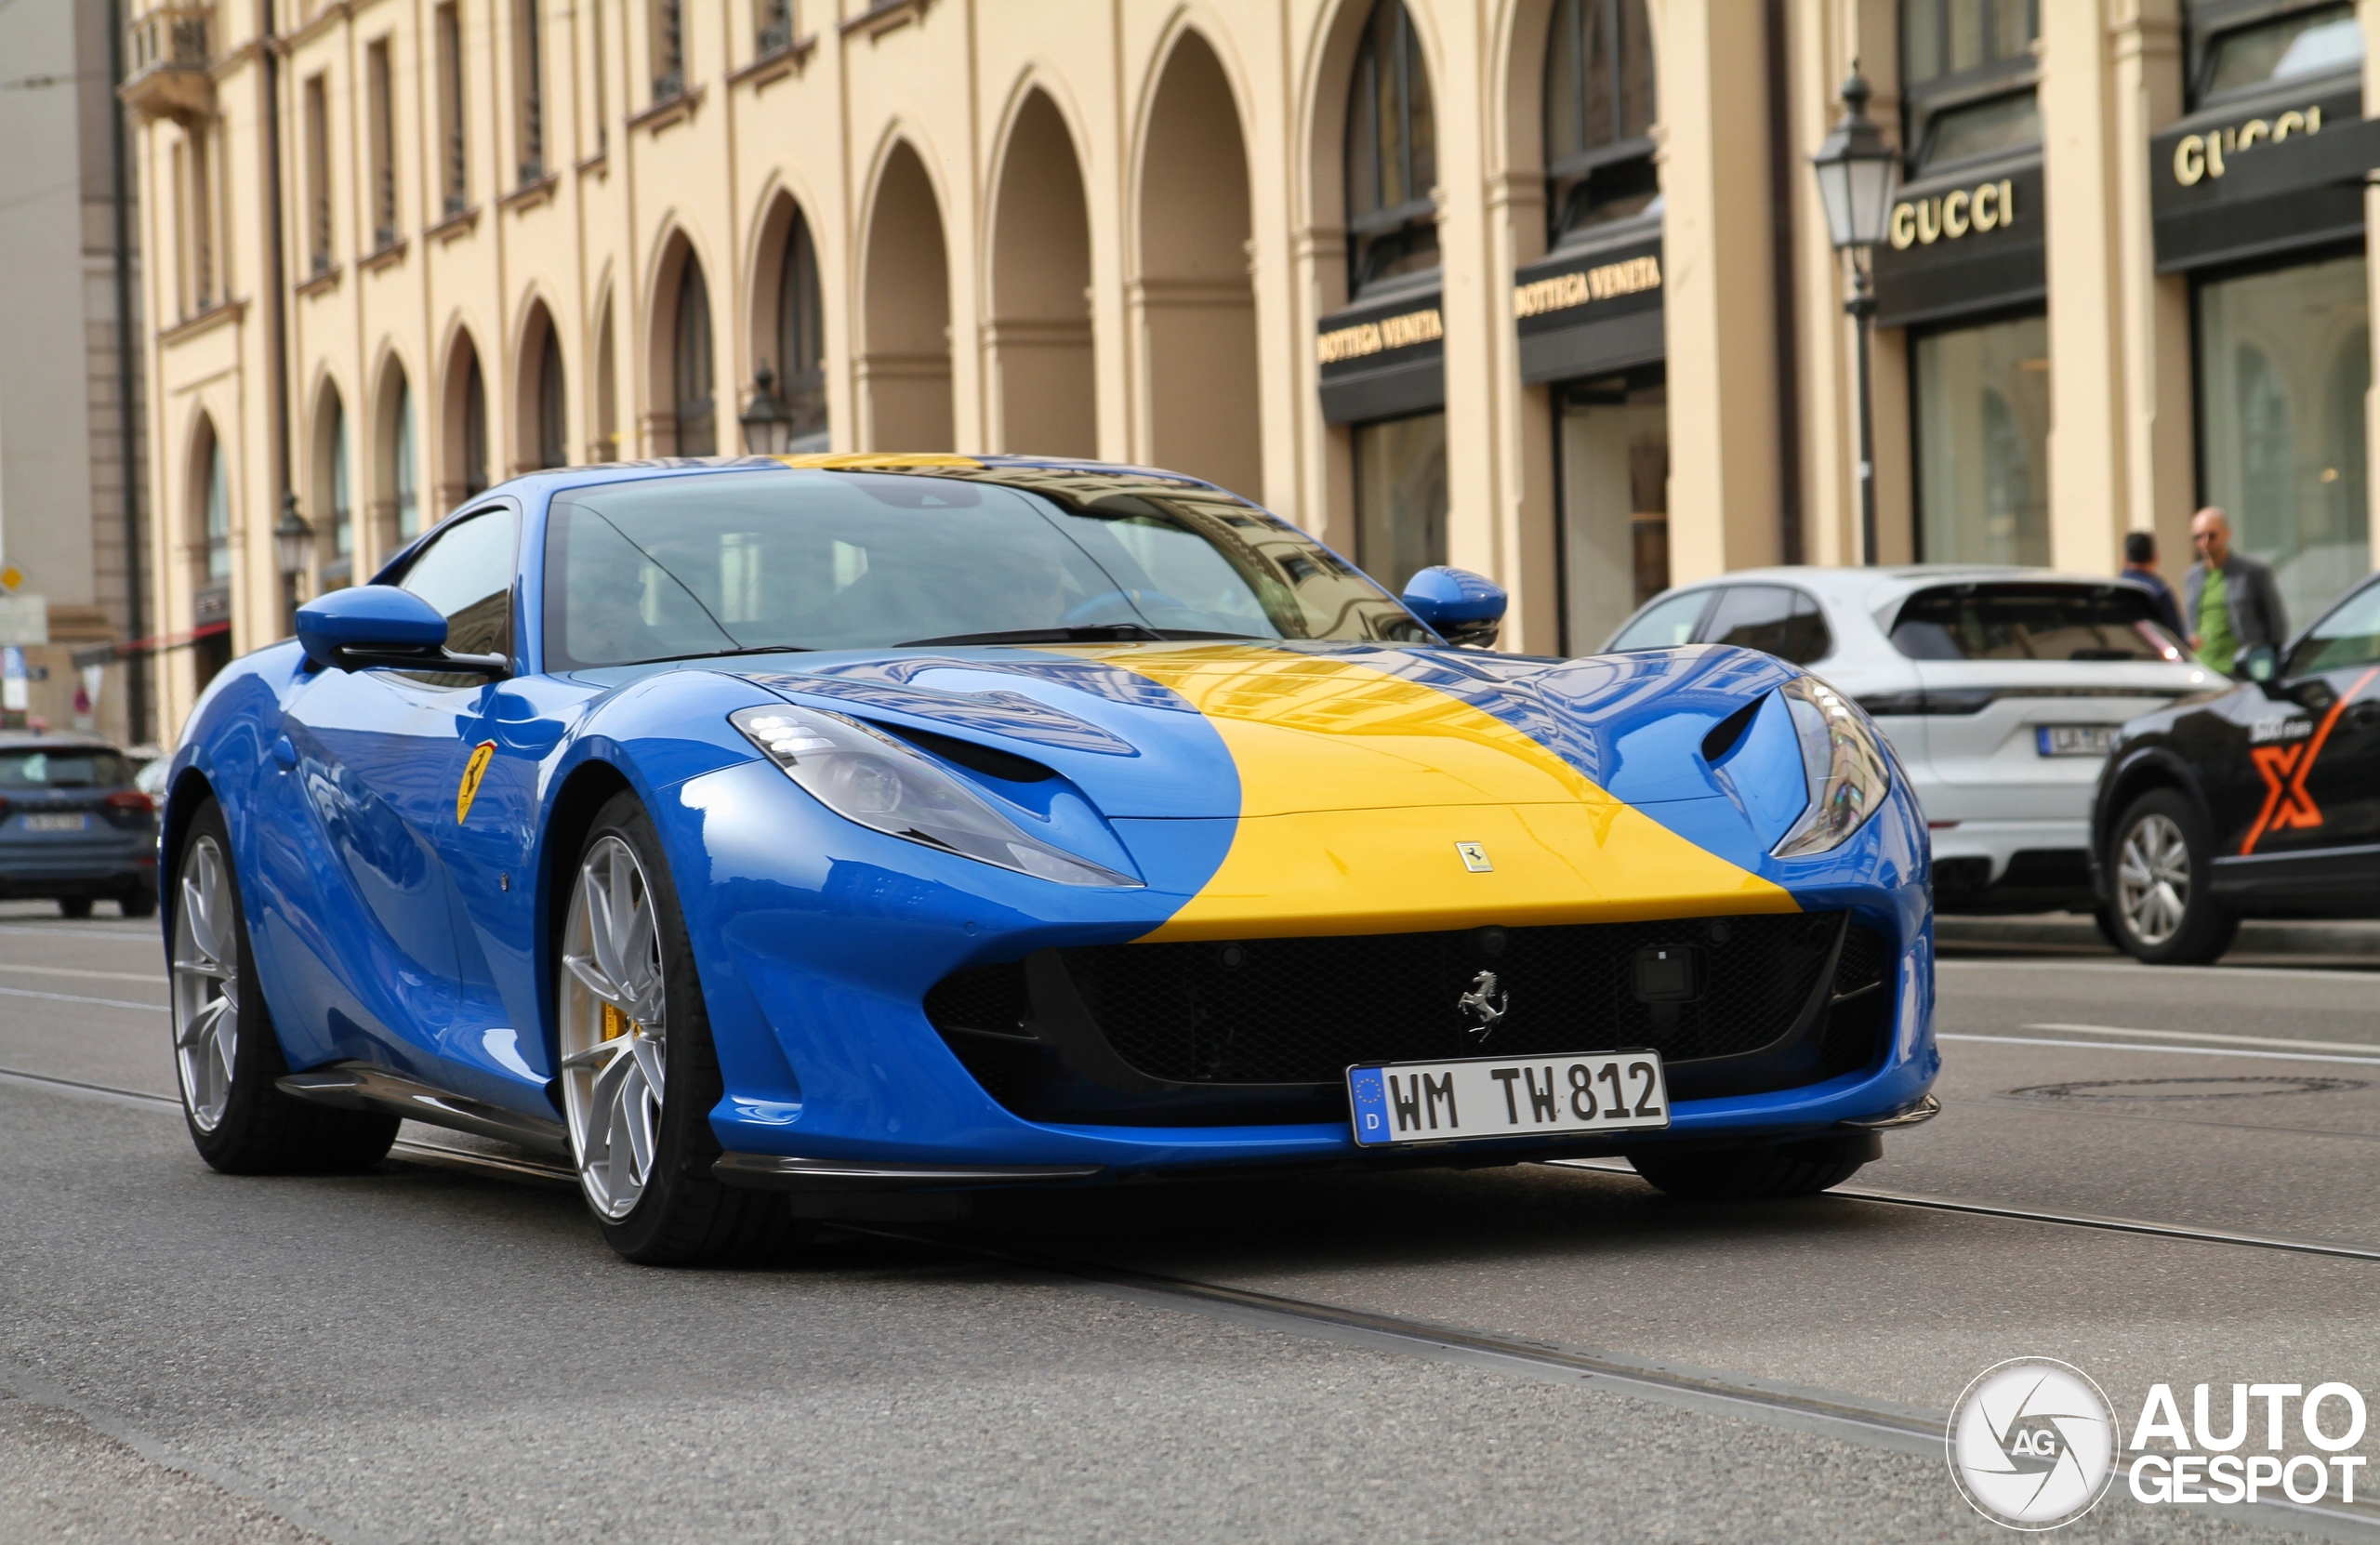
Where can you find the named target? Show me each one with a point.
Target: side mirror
(380, 625)
(1462, 607)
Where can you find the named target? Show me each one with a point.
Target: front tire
(139, 904)
(73, 907)
(225, 1053)
(2159, 864)
(638, 1073)
(1758, 1174)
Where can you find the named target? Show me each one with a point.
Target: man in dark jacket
(2228, 599)
(2140, 567)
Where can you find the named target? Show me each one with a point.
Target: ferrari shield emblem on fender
(473, 770)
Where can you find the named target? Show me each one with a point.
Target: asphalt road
(441, 1352)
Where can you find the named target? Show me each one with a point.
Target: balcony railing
(168, 48)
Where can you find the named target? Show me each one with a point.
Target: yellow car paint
(1357, 785)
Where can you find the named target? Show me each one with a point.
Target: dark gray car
(72, 827)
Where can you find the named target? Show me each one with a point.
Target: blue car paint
(817, 938)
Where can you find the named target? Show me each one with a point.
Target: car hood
(1344, 771)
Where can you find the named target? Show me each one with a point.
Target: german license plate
(2074, 740)
(1594, 1091)
(58, 823)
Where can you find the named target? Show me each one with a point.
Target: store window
(802, 339)
(2314, 42)
(1967, 72)
(1392, 157)
(1599, 111)
(1615, 505)
(1401, 496)
(1982, 425)
(697, 424)
(2284, 359)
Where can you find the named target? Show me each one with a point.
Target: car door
(2313, 742)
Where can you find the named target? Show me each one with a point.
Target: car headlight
(865, 775)
(1847, 770)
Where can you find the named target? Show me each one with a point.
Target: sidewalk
(2067, 930)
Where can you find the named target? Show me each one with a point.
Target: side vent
(1730, 730)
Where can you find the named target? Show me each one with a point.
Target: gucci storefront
(1963, 272)
(2257, 197)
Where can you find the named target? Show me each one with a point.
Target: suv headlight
(1847, 770)
(867, 776)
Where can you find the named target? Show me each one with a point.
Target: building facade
(1539, 287)
(69, 397)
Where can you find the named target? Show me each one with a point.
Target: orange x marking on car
(2285, 768)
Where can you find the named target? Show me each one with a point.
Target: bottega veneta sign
(1373, 338)
(1632, 276)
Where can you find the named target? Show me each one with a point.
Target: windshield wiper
(718, 653)
(1097, 632)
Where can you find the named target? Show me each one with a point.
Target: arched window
(1392, 156)
(474, 430)
(335, 499)
(211, 604)
(697, 426)
(404, 487)
(801, 343)
(217, 529)
(553, 427)
(1599, 108)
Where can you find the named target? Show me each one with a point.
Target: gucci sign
(1950, 216)
(2200, 156)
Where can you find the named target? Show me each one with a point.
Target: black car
(2261, 801)
(72, 827)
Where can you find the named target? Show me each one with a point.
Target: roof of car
(1877, 587)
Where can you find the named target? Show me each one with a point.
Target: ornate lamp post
(1857, 173)
(768, 423)
(292, 548)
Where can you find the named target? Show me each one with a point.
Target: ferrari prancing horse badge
(473, 770)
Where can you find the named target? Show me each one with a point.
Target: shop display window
(1401, 496)
(2284, 358)
(1981, 414)
(1615, 505)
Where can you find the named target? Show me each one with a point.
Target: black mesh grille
(1863, 997)
(986, 1000)
(1300, 1010)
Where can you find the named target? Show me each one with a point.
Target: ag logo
(473, 770)
(2033, 1443)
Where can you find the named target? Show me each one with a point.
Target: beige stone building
(1539, 287)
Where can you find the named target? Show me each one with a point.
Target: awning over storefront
(2237, 183)
(1589, 313)
(1964, 243)
(1382, 361)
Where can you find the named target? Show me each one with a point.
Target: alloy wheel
(206, 985)
(2153, 879)
(613, 1027)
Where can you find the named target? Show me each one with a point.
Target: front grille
(1265, 1029)
(1301, 1010)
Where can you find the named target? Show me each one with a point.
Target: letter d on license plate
(1480, 1097)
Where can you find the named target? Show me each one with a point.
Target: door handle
(285, 754)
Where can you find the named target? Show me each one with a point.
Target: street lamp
(293, 546)
(1857, 173)
(768, 423)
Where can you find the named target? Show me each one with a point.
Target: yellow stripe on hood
(1355, 785)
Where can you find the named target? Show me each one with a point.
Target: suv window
(2030, 620)
(67, 767)
(466, 572)
(1776, 618)
(2346, 637)
(1665, 625)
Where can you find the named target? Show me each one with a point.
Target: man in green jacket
(2228, 599)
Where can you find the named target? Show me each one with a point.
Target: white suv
(2000, 688)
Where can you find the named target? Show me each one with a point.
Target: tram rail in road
(1850, 1418)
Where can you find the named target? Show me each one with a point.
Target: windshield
(682, 567)
(62, 768)
(2029, 620)
(2350, 636)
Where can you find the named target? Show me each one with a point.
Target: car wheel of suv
(2158, 864)
(1759, 1174)
(639, 1074)
(139, 904)
(73, 907)
(224, 1048)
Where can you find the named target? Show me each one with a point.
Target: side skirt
(361, 1086)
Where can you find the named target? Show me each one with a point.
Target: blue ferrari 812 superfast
(781, 840)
